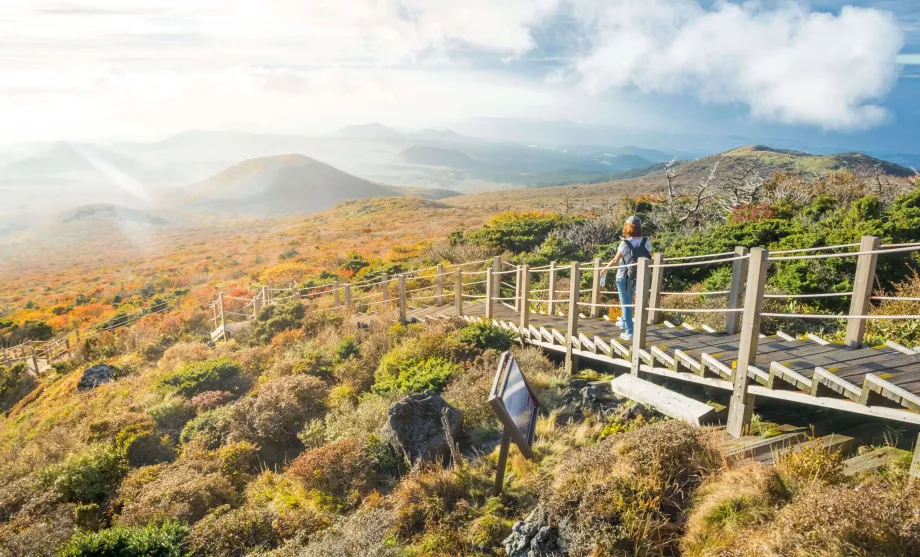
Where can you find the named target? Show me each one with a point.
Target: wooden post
(385, 288)
(571, 359)
(335, 294)
(915, 462)
(439, 285)
(524, 276)
(77, 332)
(257, 303)
(295, 290)
(654, 297)
(347, 289)
(517, 289)
(458, 291)
(490, 292)
(223, 322)
(34, 360)
(739, 271)
(741, 407)
(67, 344)
(502, 463)
(640, 312)
(596, 289)
(862, 290)
(214, 313)
(496, 276)
(268, 294)
(551, 296)
(402, 297)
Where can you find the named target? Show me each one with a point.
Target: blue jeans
(626, 292)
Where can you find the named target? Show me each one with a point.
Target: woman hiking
(633, 246)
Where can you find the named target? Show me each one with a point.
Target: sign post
(515, 403)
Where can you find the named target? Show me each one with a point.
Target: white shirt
(627, 253)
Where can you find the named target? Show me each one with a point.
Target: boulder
(414, 427)
(533, 537)
(94, 376)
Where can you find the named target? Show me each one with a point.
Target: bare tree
(686, 206)
(742, 188)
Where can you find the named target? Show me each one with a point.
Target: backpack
(636, 252)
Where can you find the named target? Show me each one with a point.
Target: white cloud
(785, 64)
(81, 68)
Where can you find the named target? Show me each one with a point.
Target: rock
(633, 410)
(94, 376)
(533, 537)
(596, 396)
(414, 427)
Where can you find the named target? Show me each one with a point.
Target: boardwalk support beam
(739, 270)
(862, 290)
(571, 359)
(458, 291)
(385, 288)
(551, 296)
(596, 288)
(402, 297)
(439, 285)
(524, 276)
(640, 312)
(654, 316)
(490, 292)
(741, 407)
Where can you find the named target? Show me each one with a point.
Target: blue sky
(819, 75)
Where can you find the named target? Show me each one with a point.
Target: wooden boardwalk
(882, 381)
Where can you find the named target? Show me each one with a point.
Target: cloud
(73, 68)
(786, 64)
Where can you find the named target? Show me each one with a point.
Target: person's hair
(632, 230)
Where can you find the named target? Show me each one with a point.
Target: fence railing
(532, 291)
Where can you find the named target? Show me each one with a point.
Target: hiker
(633, 246)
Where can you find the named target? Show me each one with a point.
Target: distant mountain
(279, 185)
(441, 136)
(648, 154)
(374, 130)
(107, 212)
(64, 158)
(437, 156)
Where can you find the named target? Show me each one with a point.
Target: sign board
(515, 403)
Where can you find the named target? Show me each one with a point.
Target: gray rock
(94, 376)
(533, 537)
(414, 427)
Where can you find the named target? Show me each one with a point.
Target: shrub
(172, 415)
(140, 444)
(275, 318)
(210, 428)
(210, 400)
(469, 393)
(198, 377)
(87, 477)
(232, 533)
(273, 418)
(363, 534)
(341, 471)
(811, 462)
(486, 335)
(433, 496)
(151, 541)
(516, 231)
(351, 420)
(626, 494)
(185, 490)
(418, 375)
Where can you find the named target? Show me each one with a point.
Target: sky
(825, 72)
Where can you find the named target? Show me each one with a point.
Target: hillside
(103, 212)
(374, 130)
(279, 185)
(65, 158)
(651, 178)
(438, 156)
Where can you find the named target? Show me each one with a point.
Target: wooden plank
(816, 338)
(790, 376)
(784, 336)
(842, 386)
(602, 346)
(871, 460)
(665, 401)
(900, 348)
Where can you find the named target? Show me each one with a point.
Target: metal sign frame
(510, 430)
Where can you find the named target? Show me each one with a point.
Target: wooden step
(872, 460)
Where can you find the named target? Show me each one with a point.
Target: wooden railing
(534, 290)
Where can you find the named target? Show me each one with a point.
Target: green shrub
(484, 335)
(141, 445)
(275, 318)
(152, 541)
(211, 428)
(88, 477)
(418, 375)
(197, 377)
(232, 533)
(516, 231)
(172, 415)
(351, 420)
